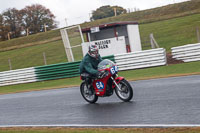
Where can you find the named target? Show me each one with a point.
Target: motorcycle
(107, 84)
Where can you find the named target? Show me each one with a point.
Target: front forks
(116, 84)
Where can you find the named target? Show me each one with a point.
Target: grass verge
(168, 33)
(100, 130)
(138, 74)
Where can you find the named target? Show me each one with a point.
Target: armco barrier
(41, 73)
(141, 59)
(17, 76)
(187, 53)
(126, 61)
(62, 70)
(55, 71)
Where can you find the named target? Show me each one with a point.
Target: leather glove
(100, 74)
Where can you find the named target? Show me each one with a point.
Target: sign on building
(107, 46)
(94, 29)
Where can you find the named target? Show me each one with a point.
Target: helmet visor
(94, 53)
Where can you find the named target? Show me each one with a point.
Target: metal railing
(187, 53)
(141, 59)
(126, 61)
(42, 73)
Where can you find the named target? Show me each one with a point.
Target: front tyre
(87, 94)
(126, 92)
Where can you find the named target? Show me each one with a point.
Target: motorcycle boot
(88, 82)
(89, 86)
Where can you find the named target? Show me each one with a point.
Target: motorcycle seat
(84, 76)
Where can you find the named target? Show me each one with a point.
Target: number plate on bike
(114, 70)
(99, 85)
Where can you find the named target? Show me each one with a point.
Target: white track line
(108, 126)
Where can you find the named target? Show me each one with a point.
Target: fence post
(8, 36)
(45, 28)
(27, 31)
(154, 44)
(45, 61)
(198, 35)
(10, 65)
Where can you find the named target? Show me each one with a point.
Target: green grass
(144, 16)
(168, 33)
(138, 74)
(163, 71)
(100, 130)
(33, 56)
(180, 29)
(155, 14)
(69, 82)
(172, 25)
(173, 32)
(30, 39)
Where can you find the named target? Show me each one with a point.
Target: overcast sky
(79, 11)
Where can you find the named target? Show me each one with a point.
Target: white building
(113, 38)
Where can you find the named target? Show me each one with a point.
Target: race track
(157, 101)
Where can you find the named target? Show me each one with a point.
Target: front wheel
(88, 95)
(125, 93)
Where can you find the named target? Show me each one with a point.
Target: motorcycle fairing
(100, 86)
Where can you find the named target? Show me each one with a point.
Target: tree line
(29, 20)
(36, 18)
(107, 11)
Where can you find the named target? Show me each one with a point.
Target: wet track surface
(157, 101)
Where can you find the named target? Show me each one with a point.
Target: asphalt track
(167, 101)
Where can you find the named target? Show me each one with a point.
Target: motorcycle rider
(88, 65)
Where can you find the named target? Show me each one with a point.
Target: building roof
(109, 25)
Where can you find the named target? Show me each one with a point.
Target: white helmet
(93, 51)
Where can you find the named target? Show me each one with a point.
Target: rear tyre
(88, 95)
(126, 92)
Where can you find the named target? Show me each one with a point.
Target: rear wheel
(125, 93)
(88, 95)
